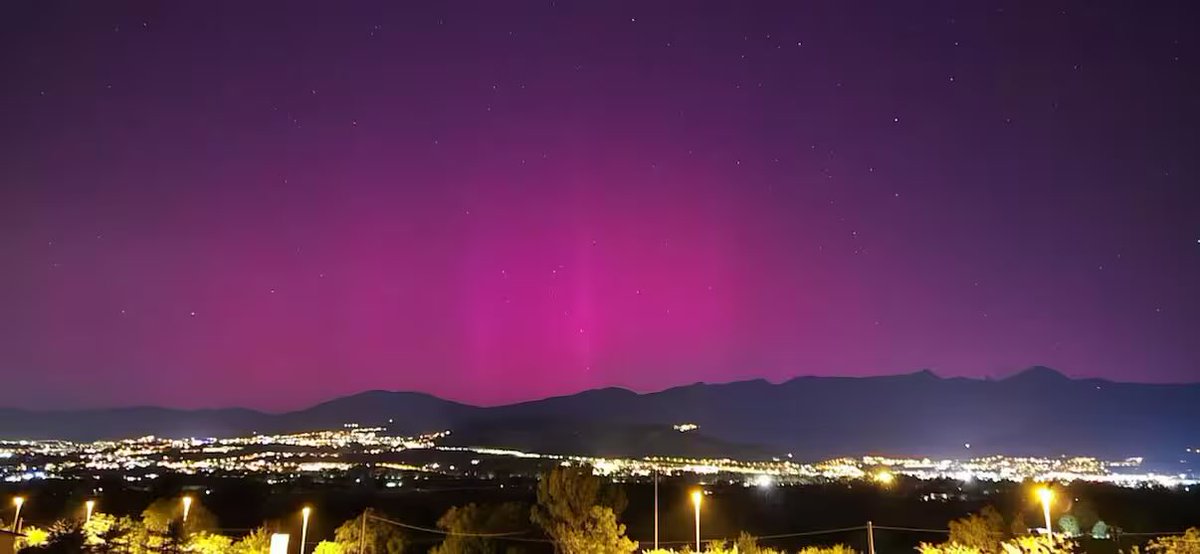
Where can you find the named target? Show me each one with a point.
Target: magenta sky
(275, 204)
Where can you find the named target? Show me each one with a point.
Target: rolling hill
(1038, 412)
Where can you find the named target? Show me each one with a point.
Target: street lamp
(18, 501)
(88, 507)
(304, 513)
(187, 507)
(1046, 496)
(697, 497)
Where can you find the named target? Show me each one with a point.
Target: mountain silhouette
(1038, 411)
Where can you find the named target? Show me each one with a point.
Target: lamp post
(187, 507)
(88, 507)
(697, 498)
(1046, 496)
(18, 501)
(304, 513)
(656, 508)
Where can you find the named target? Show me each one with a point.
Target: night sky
(269, 204)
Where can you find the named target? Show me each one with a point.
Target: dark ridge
(1039, 373)
(1038, 411)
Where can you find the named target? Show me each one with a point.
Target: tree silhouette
(257, 542)
(474, 519)
(982, 531)
(381, 538)
(579, 512)
(1068, 525)
(1187, 543)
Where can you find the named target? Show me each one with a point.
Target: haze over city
(243, 205)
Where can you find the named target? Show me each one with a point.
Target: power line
(1159, 533)
(446, 533)
(913, 529)
(817, 532)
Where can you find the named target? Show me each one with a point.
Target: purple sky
(271, 204)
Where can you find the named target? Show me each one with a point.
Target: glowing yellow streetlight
(18, 501)
(88, 507)
(1046, 496)
(885, 477)
(187, 507)
(304, 513)
(697, 498)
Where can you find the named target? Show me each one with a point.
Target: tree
(257, 542)
(153, 539)
(982, 531)
(326, 547)
(63, 537)
(748, 544)
(162, 513)
(1018, 526)
(718, 546)
(204, 542)
(1039, 544)
(598, 533)
(946, 548)
(116, 536)
(473, 519)
(381, 538)
(1069, 525)
(566, 497)
(832, 549)
(1100, 530)
(34, 536)
(96, 528)
(1187, 543)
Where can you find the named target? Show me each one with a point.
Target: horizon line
(924, 371)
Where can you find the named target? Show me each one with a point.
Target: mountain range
(1038, 411)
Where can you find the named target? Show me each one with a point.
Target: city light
(697, 498)
(88, 507)
(287, 457)
(187, 507)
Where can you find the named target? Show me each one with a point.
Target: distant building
(8, 540)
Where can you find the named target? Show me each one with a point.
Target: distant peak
(1038, 372)
(925, 374)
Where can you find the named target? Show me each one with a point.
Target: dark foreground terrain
(242, 504)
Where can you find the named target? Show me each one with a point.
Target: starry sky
(270, 204)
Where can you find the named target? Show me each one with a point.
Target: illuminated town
(329, 453)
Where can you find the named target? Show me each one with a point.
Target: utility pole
(362, 534)
(656, 508)
(870, 538)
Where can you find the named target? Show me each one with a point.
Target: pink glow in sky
(269, 208)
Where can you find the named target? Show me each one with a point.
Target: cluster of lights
(285, 456)
(147, 457)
